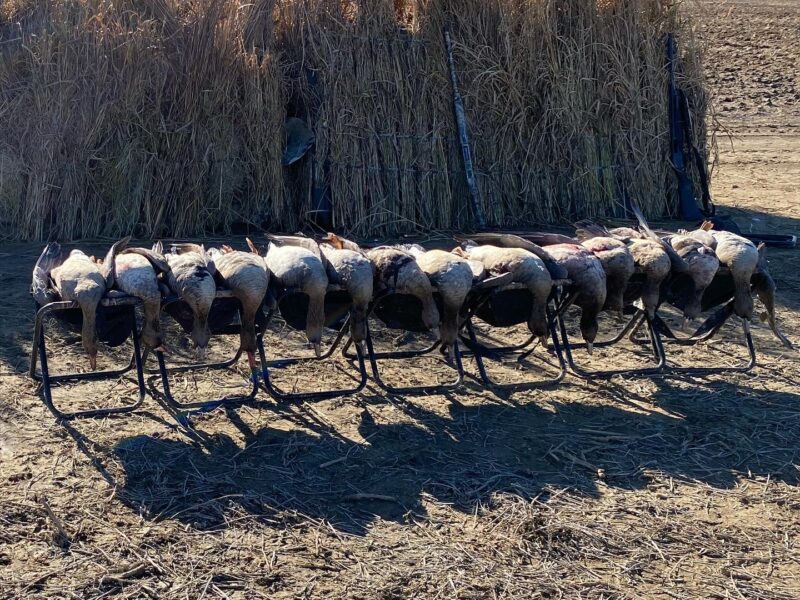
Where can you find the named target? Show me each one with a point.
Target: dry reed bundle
(566, 100)
(165, 117)
(158, 117)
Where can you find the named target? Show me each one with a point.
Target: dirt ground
(668, 487)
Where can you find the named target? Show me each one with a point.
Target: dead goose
(350, 268)
(191, 278)
(397, 271)
(42, 285)
(739, 255)
(765, 287)
(688, 257)
(588, 284)
(527, 269)
(509, 240)
(77, 279)
(651, 261)
(137, 271)
(702, 265)
(452, 275)
(302, 269)
(613, 254)
(619, 266)
(245, 275)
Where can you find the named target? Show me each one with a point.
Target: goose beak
(162, 348)
(317, 349)
(435, 332)
(200, 354)
(686, 322)
(93, 362)
(543, 341)
(590, 347)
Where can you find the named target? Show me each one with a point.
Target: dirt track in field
(670, 487)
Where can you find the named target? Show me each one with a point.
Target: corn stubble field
(673, 487)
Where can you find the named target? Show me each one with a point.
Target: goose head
(192, 278)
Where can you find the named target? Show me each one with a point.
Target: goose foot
(251, 361)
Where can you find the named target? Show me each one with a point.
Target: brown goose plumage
(137, 271)
(526, 269)
(301, 268)
(588, 284)
(80, 279)
(396, 270)
(245, 274)
(191, 277)
(452, 276)
(350, 268)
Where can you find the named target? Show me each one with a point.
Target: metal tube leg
(48, 380)
(423, 389)
(46, 392)
(282, 396)
(207, 404)
(522, 351)
(204, 406)
(706, 331)
(635, 322)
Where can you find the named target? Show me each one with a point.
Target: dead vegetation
(166, 117)
(650, 488)
(666, 487)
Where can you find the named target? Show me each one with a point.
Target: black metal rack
(292, 306)
(403, 312)
(505, 307)
(222, 322)
(638, 319)
(707, 330)
(121, 306)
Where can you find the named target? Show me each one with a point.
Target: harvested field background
(658, 488)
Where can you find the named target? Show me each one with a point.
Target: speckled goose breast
(293, 266)
(190, 277)
(585, 271)
(78, 277)
(350, 269)
(451, 274)
(702, 261)
(135, 276)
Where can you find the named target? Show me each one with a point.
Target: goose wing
(301, 242)
(509, 240)
(41, 284)
(586, 229)
(155, 258)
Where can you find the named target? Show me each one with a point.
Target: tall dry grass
(165, 117)
(151, 116)
(566, 101)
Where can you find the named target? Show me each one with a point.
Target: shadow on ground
(461, 459)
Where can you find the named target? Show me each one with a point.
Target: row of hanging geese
(603, 269)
